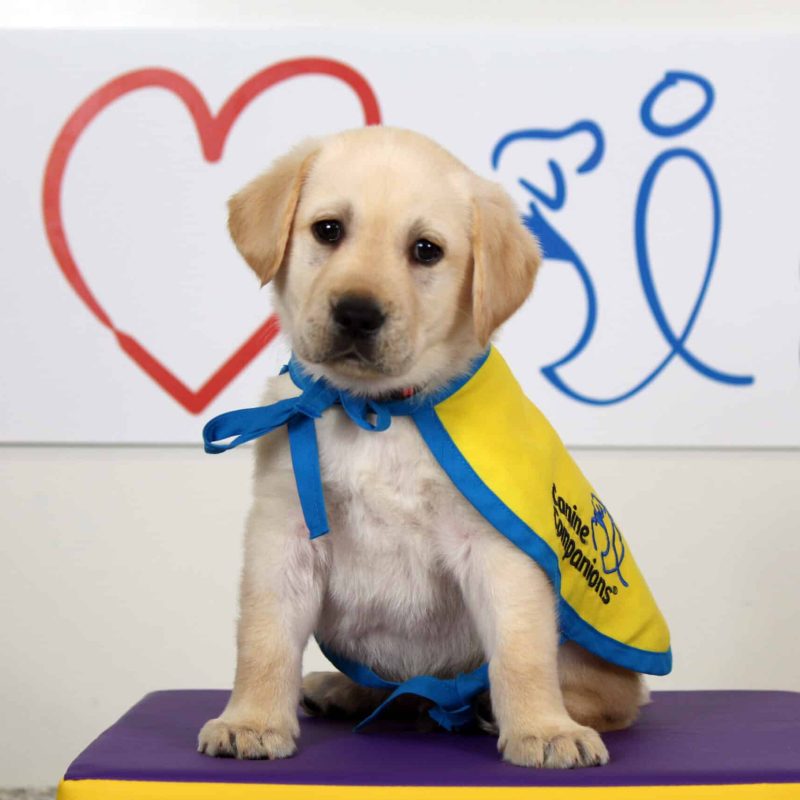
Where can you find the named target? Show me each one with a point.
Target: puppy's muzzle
(357, 319)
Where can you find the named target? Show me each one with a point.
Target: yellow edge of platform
(157, 790)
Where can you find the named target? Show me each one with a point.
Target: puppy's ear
(260, 216)
(505, 259)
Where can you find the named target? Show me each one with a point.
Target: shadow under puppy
(393, 265)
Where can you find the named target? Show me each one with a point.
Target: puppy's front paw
(555, 746)
(221, 738)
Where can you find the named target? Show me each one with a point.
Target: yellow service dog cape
(506, 459)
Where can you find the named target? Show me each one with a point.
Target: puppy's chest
(390, 508)
(380, 481)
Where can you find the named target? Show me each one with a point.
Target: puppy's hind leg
(332, 694)
(596, 693)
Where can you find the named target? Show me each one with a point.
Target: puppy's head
(393, 263)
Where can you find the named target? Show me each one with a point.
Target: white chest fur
(392, 597)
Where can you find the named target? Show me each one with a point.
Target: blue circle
(670, 80)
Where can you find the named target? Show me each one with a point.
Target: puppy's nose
(357, 316)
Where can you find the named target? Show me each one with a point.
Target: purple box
(686, 745)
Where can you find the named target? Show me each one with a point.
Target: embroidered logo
(582, 552)
(612, 547)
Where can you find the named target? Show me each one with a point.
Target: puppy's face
(392, 262)
(378, 269)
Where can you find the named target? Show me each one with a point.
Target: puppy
(393, 265)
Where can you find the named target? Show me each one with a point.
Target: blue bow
(453, 699)
(298, 414)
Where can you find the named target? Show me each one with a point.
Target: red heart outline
(213, 131)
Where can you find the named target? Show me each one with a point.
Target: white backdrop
(659, 319)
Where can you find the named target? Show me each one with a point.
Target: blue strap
(453, 699)
(246, 424)
(307, 477)
(298, 414)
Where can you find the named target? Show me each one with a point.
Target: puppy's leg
(332, 694)
(602, 695)
(280, 598)
(513, 605)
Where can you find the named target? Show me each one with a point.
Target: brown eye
(426, 253)
(328, 231)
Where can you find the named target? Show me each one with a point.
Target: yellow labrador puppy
(393, 264)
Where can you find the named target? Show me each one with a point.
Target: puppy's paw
(219, 737)
(560, 746)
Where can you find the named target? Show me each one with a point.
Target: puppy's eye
(328, 231)
(425, 252)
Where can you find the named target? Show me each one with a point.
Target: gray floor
(27, 794)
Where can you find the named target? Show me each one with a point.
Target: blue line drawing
(671, 80)
(556, 247)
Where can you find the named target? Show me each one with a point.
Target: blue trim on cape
(501, 517)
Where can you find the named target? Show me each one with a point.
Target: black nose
(357, 316)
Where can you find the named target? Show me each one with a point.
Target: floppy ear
(505, 256)
(260, 216)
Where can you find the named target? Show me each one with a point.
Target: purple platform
(717, 738)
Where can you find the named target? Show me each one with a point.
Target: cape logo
(604, 528)
(212, 131)
(582, 552)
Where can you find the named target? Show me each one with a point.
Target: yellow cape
(507, 460)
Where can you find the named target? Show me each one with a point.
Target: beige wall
(119, 565)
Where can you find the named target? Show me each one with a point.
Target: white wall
(714, 14)
(119, 565)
